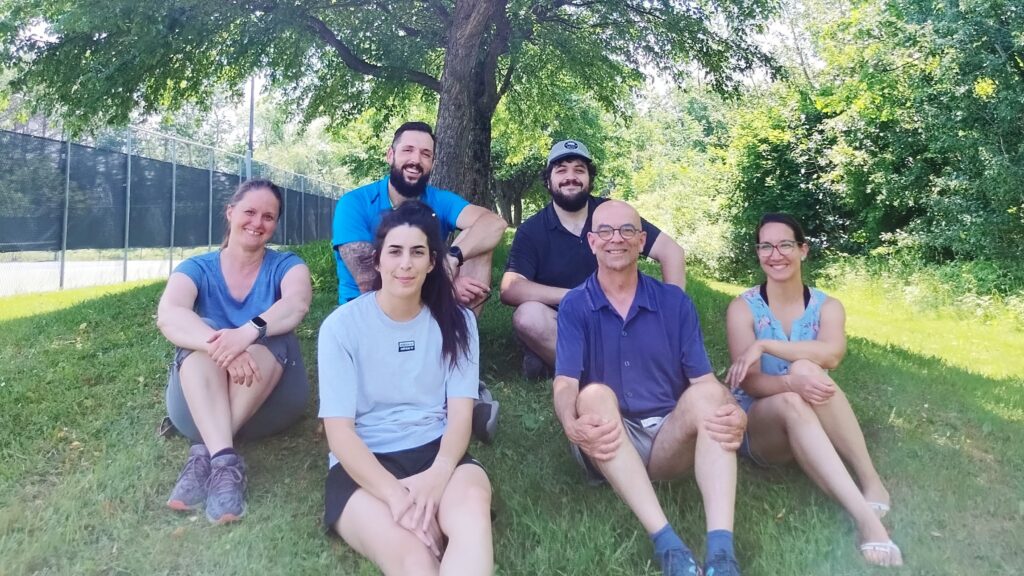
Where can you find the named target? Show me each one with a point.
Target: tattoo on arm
(358, 257)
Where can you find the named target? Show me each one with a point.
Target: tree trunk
(467, 103)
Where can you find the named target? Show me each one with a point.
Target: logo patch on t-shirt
(406, 345)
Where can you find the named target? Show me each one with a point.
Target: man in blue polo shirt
(358, 213)
(636, 395)
(550, 255)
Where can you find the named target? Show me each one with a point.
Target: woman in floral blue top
(783, 339)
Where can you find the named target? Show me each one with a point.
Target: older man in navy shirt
(636, 395)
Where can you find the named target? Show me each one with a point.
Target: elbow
(831, 362)
(162, 322)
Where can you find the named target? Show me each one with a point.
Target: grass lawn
(83, 479)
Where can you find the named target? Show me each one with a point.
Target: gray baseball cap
(568, 148)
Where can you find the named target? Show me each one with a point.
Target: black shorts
(339, 486)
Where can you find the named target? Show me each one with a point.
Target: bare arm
(672, 258)
(361, 464)
(481, 231)
(291, 308)
(565, 391)
(516, 289)
(175, 317)
(358, 258)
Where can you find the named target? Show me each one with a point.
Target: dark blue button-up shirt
(647, 358)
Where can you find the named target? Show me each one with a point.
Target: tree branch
(498, 45)
(357, 64)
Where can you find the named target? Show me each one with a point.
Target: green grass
(83, 479)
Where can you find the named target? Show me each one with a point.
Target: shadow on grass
(84, 479)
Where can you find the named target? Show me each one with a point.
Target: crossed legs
(464, 518)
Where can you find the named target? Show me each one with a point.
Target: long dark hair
(437, 293)
(240, 192)
(784, 219)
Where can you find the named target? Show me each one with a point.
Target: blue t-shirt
(647, 359)
(545, 252)
(389, 376)
(215, 302)
(359, 212)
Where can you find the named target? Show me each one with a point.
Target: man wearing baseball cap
(550, 254)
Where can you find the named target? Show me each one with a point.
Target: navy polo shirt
(545, 252)
(648, 359)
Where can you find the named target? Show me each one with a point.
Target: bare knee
(598, 399)
(703, 399)
(533, 320)
(792, 408)
(805, 367)
(413, 562)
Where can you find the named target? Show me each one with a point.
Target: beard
(571, 201)
(405, 188)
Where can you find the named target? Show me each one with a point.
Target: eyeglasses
(785, 247)
(627, 231)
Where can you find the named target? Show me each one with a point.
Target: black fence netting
(45, 183)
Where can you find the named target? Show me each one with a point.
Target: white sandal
(893, 555)
(880, 508)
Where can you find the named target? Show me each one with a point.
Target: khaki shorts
(641, 433)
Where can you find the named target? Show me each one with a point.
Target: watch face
(259, 322)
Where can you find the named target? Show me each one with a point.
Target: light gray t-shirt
(390, 376)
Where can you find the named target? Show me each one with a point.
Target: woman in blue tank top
(237, 372)
(783, 339)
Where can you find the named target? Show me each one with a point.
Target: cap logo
(570, 145)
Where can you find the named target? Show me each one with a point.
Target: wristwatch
(457, 253)
(261, 326)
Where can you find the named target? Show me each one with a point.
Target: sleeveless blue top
(768, 327)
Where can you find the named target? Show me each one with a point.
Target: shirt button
(627, 363)
(629, 394)
(623, 332)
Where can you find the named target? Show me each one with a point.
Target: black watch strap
(457, 252)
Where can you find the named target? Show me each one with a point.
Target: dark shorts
(746, 402)
(339, 486)
(285, 405)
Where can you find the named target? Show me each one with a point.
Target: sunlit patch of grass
(24, 305)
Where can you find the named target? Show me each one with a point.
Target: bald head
(615, 213)
(616, 236)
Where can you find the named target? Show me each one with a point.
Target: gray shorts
(640, 432)
(285, 405)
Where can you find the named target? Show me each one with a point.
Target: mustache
(415, 165)
(570, 183)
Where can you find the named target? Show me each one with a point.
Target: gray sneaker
(226, 487)
(485, 416)
(190, 491)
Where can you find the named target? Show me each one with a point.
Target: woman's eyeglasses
(785, 247)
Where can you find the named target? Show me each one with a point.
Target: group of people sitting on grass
(399, 366)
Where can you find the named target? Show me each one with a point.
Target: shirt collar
(553, 223)
(380, 188)
(644, 297)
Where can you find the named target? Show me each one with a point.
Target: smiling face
(411, 158)
(569, 184)
(253, 218)
(777, 266)
(405, 260)
(616, 253)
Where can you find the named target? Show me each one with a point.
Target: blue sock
(224, 452)
(666, 539)
(720, 540)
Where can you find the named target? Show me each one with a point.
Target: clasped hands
(414, 505)
(229, 349)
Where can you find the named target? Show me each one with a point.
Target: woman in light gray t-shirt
(399, 372)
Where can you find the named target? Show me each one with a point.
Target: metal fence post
(209, 223)
(283, 216)
(67, 207)
(174, 202)
(302, 210)
(127, 203)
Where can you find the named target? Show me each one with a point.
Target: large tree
(100, 60)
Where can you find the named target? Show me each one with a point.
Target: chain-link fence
(128, 205)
